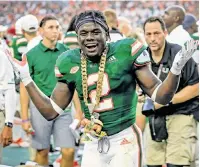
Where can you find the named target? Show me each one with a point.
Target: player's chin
(91, 53)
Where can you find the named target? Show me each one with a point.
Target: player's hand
(74, 127)
(6, 136)
(95, 128)
(20, 67)
(183, 56)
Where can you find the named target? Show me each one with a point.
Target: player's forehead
(90, 26)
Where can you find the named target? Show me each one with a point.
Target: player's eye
(97, 32)
(83, 33)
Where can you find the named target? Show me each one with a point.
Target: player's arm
(77, 105)
(51, 107)
(162, 93)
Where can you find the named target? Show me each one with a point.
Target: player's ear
(108, 36)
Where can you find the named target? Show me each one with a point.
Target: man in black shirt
(178, 149)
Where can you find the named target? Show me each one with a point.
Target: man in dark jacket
(178, 149)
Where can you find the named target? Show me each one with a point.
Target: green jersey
(19, 46)
(118, 100)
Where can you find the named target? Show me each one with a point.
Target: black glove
(148, 107)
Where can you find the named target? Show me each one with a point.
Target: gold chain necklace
(99, 81)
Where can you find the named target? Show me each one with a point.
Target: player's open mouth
(91, 47)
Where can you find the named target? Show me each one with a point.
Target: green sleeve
(129, 47)
(62, 67)
(138, 54)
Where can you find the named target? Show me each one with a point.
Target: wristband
(27, 80)
(175, 70)
(74, 124)
(25, 120)
(9, 124)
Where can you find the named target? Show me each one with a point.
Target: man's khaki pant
(179, 148)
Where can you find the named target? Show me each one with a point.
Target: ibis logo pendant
(74, 70)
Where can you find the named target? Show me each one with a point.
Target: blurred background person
(7, 99)
(3, 33)
(138, 33)
(173, 18)
(124, 26)
(70, 40)
(190, 24)
(18, 46)
(112, 21)
(29, 27)
(175, 144)
(19, 43)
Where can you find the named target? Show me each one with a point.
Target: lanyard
(159, 70)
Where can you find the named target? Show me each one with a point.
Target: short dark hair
(93, 13)
(155, 19)
(180, 12)
(46, 18)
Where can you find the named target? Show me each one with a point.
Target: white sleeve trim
(154, 94)
(56, 107)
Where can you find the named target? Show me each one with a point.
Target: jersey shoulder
(67, 60)
(128, 48)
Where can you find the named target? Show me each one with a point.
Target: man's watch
(9, 124)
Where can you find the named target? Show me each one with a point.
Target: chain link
(100, 77)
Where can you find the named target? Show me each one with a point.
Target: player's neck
(94, 59)
(157, 55)
(49, 44)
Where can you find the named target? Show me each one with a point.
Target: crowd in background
(135, 11)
